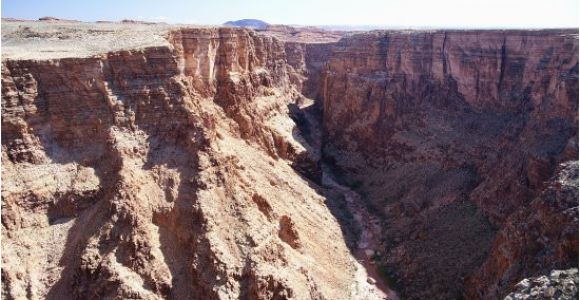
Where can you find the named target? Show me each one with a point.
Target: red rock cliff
(445, 130)
(162, 174)
(166, 172)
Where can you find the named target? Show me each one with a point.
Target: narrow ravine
(368, 241)
(368, 225)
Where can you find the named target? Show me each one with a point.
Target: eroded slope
(447, 134)
(202, 168)
(162, 173)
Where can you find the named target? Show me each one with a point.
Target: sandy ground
(51, 40)
(41, 40)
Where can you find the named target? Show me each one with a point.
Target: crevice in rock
(502, 66)
(192, 146)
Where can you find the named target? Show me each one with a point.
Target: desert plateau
(145, 160)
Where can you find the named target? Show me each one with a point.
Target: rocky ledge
(559, 284)
(222, 163)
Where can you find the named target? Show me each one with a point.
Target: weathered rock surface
(194, 167)
(539, 237)
(37, 40)
(162, 173)
(559, 284)
(447, 134)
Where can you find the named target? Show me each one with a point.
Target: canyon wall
(162, 173)
(448, 134)
(195, 170)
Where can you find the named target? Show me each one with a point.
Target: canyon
(152, 161)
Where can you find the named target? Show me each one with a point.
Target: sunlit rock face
(198, 168)
(164, 173)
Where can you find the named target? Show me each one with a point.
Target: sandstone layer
(223, 163)
(163, 173)
(449, 135)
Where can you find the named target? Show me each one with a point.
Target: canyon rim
(156, 161)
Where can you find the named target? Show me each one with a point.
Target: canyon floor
(156, 161)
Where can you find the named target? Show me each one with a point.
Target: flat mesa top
(52, 40)
(55, 39)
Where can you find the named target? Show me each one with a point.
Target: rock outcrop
(224, 163)
(558, 284)
(539, 237)
(447, 134)
(163, 173)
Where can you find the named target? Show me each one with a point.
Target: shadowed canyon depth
(151, 161)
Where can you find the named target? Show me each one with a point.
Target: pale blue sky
(397, 13)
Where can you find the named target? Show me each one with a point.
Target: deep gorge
(222, 166)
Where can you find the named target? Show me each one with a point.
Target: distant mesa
(41, 19)
(13, 20)
(54, 19)
(251, 23)
(129, 21)
(48, 19)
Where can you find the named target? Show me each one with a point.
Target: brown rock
(115, 184)
(448, 134)
(155, 171)
(288, 232)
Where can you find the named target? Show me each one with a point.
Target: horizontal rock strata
(193, 169)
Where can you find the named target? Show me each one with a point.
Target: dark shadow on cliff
(176, 233)
(89, 219)
(309, 166)
(80, 134)
(456, 229)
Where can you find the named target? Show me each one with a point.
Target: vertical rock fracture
(227, 163)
